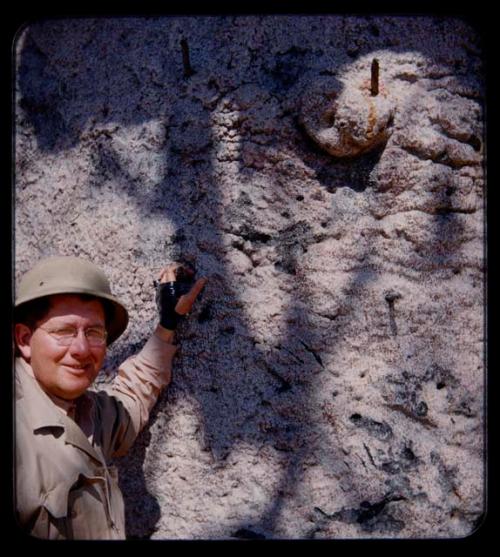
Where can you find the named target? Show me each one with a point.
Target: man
(66, 435)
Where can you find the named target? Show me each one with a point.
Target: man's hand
(173, 302)
(175, 272)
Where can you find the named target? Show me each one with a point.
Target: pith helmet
(72, 275)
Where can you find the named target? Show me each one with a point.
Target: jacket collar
(41, 412)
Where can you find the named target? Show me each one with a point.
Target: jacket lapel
(73, 435)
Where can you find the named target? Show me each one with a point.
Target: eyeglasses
(96, 336)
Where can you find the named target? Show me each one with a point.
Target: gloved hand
(174, 297)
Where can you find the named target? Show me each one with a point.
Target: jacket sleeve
(125, 405)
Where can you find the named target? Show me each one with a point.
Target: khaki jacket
(65, 486)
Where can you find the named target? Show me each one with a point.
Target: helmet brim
(116, 323)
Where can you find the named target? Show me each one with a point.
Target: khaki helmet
(72, 275)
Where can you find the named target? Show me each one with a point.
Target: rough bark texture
(331, 379)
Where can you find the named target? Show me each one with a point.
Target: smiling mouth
(77, 369)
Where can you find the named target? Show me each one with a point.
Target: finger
(186, 301)
(197, 287)
(175, 271)
(168, 273)
(191, 296)
(195, 290)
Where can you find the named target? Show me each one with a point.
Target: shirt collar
(68, 407)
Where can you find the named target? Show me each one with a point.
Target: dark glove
(167, 296)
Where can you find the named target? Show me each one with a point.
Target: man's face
(66, 371)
